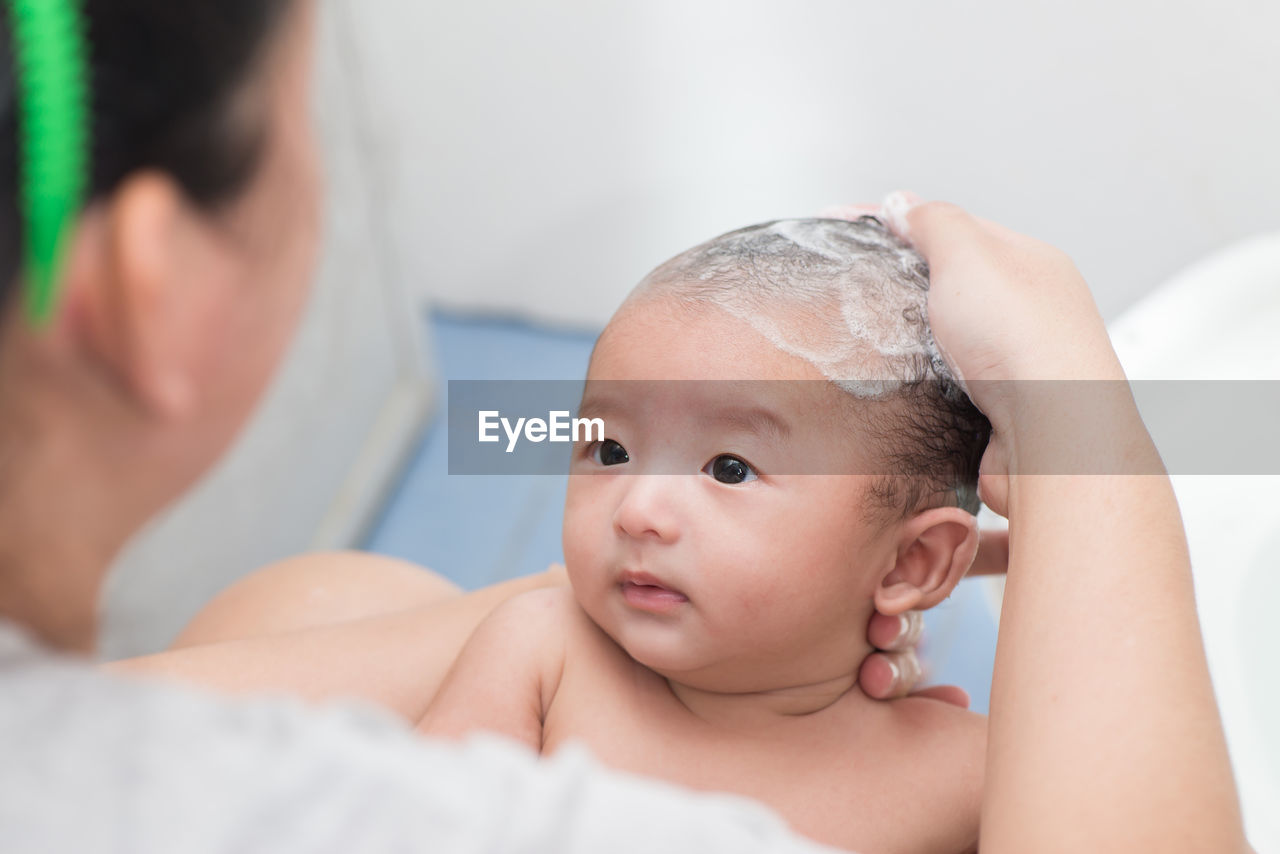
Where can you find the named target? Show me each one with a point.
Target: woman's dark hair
(166, 86)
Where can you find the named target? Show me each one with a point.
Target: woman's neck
(68, 504)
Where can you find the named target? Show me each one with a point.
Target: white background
(542, 156)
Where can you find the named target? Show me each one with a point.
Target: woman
(182, 281)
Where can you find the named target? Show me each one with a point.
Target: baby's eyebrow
(597, 406)
(753, 419)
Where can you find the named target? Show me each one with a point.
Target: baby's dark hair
(851, 298)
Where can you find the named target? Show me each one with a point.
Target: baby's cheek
(585, 528)
(754, 603)
(754, 580)
(577, 510)
(575, 547)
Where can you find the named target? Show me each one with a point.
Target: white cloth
(91, 762)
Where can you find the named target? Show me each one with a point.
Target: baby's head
(829, 461)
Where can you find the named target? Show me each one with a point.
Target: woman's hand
(1125, 756)
(1049, 328)
(1049, 325)
(894, 669)
(1006, 311)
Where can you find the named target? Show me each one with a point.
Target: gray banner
(530, 427)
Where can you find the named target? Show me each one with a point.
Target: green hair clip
(51, 62)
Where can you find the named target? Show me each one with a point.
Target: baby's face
(697, 534)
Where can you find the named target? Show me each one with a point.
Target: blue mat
(477, 530)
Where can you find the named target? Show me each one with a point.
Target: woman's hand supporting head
(1003, 306)
(1016, 322)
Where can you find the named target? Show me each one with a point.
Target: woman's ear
(138, 283)
(935, 549)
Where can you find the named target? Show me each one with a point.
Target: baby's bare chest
(829, 776)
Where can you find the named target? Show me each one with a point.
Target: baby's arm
(506, 675)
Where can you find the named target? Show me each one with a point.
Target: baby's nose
(647, 509)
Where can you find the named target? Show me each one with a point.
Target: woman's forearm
(1104, 730)
(1104, 734)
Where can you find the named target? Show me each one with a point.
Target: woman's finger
(953, 694)
(890, 675)
(993, 553)
(993, 476)
(887, 675)
(893, 207)
(937, 229)
(850, 212)
(895, 633)
(998, 230)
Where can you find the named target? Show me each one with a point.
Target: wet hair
(167, 80)
(851, 299)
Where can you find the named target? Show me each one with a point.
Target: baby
(784, 452)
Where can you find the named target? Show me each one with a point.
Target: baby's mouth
(646, 593)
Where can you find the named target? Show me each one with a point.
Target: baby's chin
(662, 644)
(675, 656)
(670, 664)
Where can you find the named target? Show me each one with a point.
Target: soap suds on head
(848, 297)
(896, 206)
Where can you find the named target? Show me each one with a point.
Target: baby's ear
(935, 550)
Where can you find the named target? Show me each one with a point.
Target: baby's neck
(762, 708)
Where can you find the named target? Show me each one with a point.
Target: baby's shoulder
(547, 616)
(919, 761)
(943, 747)
(938, 730)
(532, 626)
(913, 714)
(539, 610)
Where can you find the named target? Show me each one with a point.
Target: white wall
(541, 156)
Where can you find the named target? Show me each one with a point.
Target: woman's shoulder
(51, 704)
(53, 692)
(108, 762)
(95, 761)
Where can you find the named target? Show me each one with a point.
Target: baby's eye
(729, 469)
(609, 453)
